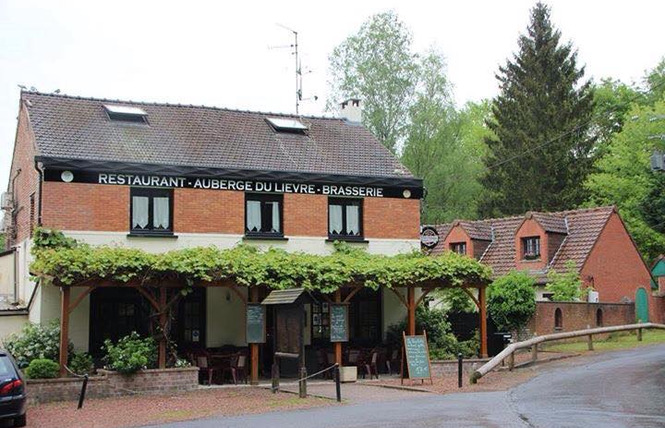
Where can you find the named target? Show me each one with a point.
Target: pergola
(160, 278)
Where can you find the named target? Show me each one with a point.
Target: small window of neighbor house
(558, 319)
(458, 247)
(599, 317)
(531, 248)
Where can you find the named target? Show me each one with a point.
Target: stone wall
(112, 384)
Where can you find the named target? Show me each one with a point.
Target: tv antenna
(298, 65)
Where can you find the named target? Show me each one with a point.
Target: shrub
(442, 343)
(42, 368)
(35, 341)
(131, 353)
(511, 300)
(566, 286)
(181, 363)
(81, 363)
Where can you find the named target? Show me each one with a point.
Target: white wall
(7, 267)
(10, 324)
(225, 319)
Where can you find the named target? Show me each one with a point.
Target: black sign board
(256, 323)
(248, 185)
(339, 323)
(417, 360)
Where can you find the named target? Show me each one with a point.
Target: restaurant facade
(162, 177)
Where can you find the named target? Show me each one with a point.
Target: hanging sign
(339, 322)
(256, 323)
(429, 237)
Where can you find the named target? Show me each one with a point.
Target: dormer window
(531, 248)
(458, 247)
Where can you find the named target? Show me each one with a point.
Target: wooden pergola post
(64, 328)
(411, 309)
(254, 347)
(482, 310)
(337, 346)
(162, 324)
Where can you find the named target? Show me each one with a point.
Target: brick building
(595, 239)
(161, 177)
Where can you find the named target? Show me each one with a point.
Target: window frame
(455, 245)
(262, 198)
(151, 193)
(525, 244)
(344, 202)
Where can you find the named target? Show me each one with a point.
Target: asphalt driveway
(618, 389)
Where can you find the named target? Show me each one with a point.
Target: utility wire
(574, 129)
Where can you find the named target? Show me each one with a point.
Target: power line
(570, 131)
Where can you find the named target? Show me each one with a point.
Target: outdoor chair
(371, 367)
(393, 361)
(209, 372)
(237, 369)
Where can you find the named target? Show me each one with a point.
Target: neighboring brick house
(161, 177)
(595, 239)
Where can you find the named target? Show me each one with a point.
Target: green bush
(442, 343)
(42, 368)
(131, 354)
(81, 363)
(566, 286)
(511, 300)
(35, 341)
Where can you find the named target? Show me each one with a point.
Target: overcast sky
(219, 53)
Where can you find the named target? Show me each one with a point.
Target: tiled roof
(79, 128)
(477, 230)
(583, 229)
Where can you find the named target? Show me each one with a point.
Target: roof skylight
(286, 125)
(126, 113)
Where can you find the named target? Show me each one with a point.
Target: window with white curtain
(345, 218)
(151, 211)
(263, 215)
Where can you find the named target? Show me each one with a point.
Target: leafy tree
(455, 300)
(541, 150)
(654, 83)
(511, 300)
(378, 65)
(565, 286)
(624, 177)
(613, 99)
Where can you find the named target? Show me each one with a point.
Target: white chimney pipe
(350, 110)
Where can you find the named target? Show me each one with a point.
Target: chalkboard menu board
(256, 324)
(417, 357)
(339, 323)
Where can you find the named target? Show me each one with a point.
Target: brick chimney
(350, 110)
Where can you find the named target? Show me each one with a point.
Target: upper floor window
(531, 248)
(458, 247)
(263, 215)
(345, 218)
(151, 211)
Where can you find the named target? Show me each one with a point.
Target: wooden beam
(64, 329)
(400, 296)
(254, 347)
(163, 313)
(353, 292)
(482, 309)
(470, 294)
(153, 301)
(411, 310)
(423, 295)
(80, 298)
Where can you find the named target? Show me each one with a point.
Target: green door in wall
(641, 305)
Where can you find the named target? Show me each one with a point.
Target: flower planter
(348, 374)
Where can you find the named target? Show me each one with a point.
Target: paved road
(621, 389)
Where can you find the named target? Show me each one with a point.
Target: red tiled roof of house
(582, 228)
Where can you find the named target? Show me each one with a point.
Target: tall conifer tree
(541, 150)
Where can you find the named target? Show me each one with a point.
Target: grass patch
(177, 414)
(615, 341)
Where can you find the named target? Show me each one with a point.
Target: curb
(545, 360)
